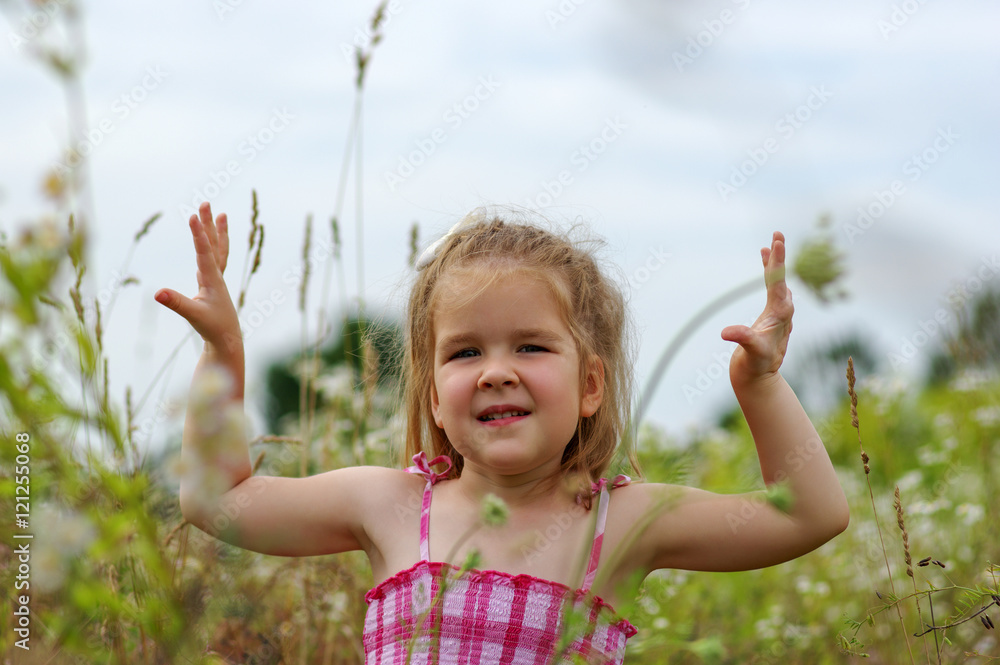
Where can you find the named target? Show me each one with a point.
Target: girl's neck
(516, 491)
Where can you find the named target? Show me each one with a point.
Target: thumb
(738, 334)
(172, 299)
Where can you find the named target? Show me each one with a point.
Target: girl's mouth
(502, 415)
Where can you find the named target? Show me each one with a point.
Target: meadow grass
(119, 577)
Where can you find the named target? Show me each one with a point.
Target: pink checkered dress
(428, 614)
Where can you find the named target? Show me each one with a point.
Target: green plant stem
(705, 313)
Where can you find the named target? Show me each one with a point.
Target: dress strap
(601, 487)
(422, 467)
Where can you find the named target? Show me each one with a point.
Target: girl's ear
(436, 407)
(593, 387)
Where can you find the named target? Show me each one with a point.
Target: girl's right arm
(321, 514)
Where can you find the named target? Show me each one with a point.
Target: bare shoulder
(325, 513)
(672, 526)
(653, 524)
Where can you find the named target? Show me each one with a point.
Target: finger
(222, 249)
(205, 213)
(208, 269)
(774, 271)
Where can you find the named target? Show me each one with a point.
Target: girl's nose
(498, 374)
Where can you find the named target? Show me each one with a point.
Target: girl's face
(507, 387)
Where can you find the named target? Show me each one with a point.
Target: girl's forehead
(462, 287)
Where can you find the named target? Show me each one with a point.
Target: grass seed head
(901, 522)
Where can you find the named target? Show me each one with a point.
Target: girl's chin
(508, 459)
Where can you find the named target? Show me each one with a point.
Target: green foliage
(118, 577)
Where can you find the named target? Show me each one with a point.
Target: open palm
(762, 346)
(211, 311)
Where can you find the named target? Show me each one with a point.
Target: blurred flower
(910, 481)
(929, 456)
(337, 384)
(928, 507)
(493, 511)
(970, 513)
(66, 536)
(210, 393)
(780, 496)
(472, 561)
(944, 421)
(820, 265)
(987, 416)
(337, 604)
(649, 604)
(973, 379)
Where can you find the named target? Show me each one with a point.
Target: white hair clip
(429, 254)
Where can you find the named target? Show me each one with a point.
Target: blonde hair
(593, 307)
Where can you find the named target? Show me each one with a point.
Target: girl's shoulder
(380, 483)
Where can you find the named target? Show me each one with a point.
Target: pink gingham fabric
(429, 614)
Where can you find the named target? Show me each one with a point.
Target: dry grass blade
(306, 271)
(871, 493)
(145, 227)
(256, 239)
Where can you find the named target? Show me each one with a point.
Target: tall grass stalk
(871, 493)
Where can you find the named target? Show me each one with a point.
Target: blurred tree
(347, 350)
(974, 343)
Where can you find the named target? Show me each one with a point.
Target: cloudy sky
(682, 132)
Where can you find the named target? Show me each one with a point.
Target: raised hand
(762, 346)
(211, 311)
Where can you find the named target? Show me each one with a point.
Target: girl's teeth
(505, 414)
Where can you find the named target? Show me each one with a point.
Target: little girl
(516, 386)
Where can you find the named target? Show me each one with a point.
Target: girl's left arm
(700, 530)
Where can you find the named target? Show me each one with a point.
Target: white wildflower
(910, 481)
(944, 421)
(67, 535)
(987, 416)
(649, 604)
(338, 384)
(970, 513)
(930, 456)
(210, 393)
(928, 507)
(971, 380)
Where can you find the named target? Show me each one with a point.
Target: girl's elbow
(840, 518)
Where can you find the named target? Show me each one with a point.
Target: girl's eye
(465, 353)
(533, 348)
